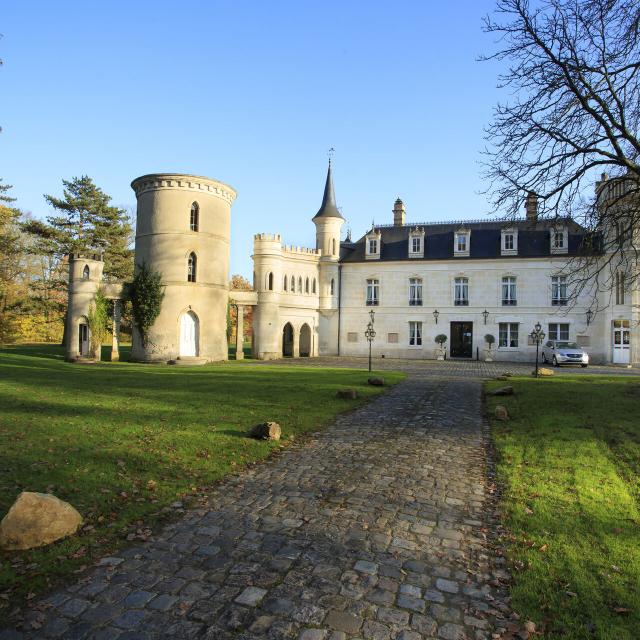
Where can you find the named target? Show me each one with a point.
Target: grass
(122, 442)
(569, 463)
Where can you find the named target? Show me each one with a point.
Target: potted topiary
(488, 353)
(440, 351)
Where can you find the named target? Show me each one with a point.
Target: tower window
(194, 222)
(333, 246)
(85, 272)
(333, 286)
(306, 285)
(293, 284)
(270, 281)
(192, 266)
(314, 285)
(284, 283)
(300, 284)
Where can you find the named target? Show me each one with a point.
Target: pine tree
(87, 222)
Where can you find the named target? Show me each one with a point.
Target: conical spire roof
(328, 208)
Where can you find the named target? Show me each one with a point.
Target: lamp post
(537, 335)
(436, 313)
(370, 334)
(589, 316)
(485, 315)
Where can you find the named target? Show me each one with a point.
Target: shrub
(489, 339)
(146, 294)
(97, 319)
(441, 339)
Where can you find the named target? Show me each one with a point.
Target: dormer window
(509, 242)
(559, 240)
(416, 243)
(461, 242)
(373, 243)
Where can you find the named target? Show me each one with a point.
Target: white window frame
(457, 237)
(415, 333)
(559, 239)
(373, 241)
(416, 237)
(415, 291)
(509, 251)
(511, 299)
(557, 331)
(464, 288)
(509, 331)
(558, 282)
(373, 288)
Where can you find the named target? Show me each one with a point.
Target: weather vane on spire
(330, 154)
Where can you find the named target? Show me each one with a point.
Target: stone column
(239, 332)
(115, 340)
(296, 343)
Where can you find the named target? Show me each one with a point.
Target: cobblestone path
(374, 528)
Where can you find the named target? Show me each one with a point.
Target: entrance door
(461, 340)
(189, 334)
(83, 339)
(621, 341)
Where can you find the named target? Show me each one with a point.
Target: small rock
(376, 382)
(37, 519)
(266, 431)
(530, 626)
(251, 596)
(501, 413)
(543, 372)
(502, 391)
(347, 394)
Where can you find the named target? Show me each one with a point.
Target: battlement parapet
(302, 250)
(267, 237)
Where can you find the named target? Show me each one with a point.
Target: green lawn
(569, 463)
(122, 441)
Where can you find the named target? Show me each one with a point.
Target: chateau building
(464, 280)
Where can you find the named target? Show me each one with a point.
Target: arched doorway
(305, 341)
(287, 340)
(189, 334)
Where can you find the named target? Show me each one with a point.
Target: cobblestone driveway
(374, 528)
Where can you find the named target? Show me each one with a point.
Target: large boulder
(266, 431)
(502, 391)
(37, 519)
(543, 372)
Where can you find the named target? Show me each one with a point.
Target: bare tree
(570, 132)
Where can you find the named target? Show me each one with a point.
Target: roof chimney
(398, 213)
(531, 207)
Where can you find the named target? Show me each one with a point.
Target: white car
(557, 352)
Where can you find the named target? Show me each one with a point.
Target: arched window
(194, 222)
(293, 284)
(306, 285)
(333, 286)
(284, 283)
(314, 285)
(270, 281)
(333, 246)
(85, 272)
(300, 284)
(192, 266)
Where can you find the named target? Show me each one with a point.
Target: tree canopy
(572, 71)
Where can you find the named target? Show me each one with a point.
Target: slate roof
(328, 208)
(533, 240)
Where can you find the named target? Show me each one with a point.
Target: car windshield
(566, 345)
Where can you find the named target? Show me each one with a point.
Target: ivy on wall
(97, 319)
(146, 293)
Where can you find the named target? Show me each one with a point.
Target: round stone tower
(182, 232)
(85, 277)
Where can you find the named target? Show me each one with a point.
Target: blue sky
(253, 94)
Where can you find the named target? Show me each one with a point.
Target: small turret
(328, 222)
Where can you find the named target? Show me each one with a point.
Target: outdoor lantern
(537, 335)
(485, 315)
(436, 313)
(589, 317)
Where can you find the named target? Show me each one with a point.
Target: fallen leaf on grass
(621, 610)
